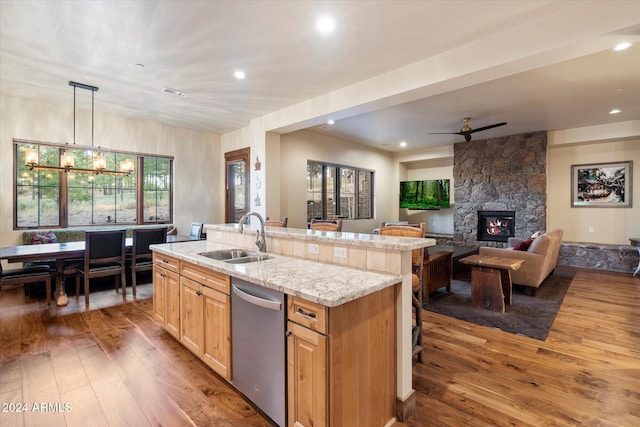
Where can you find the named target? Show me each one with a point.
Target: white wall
(298, 147)
(197, 154)
(438, 221)
(610, 225)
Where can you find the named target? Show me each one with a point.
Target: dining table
(61, 252)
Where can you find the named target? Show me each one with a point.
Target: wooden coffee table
(491, 280)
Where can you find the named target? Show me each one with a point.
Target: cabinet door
(172, 303)
(307, 377)
(159, 295)
(191, 315)
(217, 332)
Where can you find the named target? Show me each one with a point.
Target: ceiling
(132, 50)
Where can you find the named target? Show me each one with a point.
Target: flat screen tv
(425, 194)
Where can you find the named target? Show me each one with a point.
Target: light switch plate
(312, 248)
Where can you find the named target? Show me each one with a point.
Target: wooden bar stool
(417, 257)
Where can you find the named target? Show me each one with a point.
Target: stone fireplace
(496, 226)
(500, 174)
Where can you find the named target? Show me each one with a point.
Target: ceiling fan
(466, 130)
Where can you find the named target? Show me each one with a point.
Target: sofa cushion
(523, 246)
(540, 245)
(48, 237)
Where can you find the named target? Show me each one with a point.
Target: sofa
(540, 258)
(63, 235)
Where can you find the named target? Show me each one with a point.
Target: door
(159, 294)
(236, 184)
(217, 332)
(172, 303)
(191, 315)
(307, 377)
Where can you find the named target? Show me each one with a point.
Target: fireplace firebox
(496, 226)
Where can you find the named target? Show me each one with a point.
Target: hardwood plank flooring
(114, 366)
(587, 372)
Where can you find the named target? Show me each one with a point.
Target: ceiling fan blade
(488, 127)
(445, 133)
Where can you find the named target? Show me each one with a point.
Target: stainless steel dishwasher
(258, 325)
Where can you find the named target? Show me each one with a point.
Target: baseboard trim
(406, 407)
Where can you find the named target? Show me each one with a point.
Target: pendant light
(67, 161)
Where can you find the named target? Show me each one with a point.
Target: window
(37, 193)
(68, 199)
(100, 199)
(156, 186)
(338, 192)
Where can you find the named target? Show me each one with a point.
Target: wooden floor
(113, 366)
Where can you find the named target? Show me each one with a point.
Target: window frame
(63, 188)
(338, 168)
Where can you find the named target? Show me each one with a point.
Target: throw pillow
(523, 246)
(48, 237)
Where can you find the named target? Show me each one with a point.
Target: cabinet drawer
(206, 277)
(166, 261)
(307, 313)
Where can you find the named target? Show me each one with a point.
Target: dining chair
(276, 222)
(417, 256)
(196, 230)
(104, 256)
(326, 224)
(141, 255)
(27, 275)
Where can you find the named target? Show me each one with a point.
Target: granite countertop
(344, 238)
(329, 285)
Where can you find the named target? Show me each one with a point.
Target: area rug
(527, 315)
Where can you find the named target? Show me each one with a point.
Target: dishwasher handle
(252, 299)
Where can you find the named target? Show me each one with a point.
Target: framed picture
(604, 185)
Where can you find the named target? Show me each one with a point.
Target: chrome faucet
(260, 239)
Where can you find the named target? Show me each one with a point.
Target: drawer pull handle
(198, 293)
(309, 315)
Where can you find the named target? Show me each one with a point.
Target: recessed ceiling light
(615, 111)
(174, 92)
(622, 46)
(240, 75)
(140, 65)
(403, 144)
(325, 24)
(330, 122)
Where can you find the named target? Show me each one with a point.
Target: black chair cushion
(97, 266)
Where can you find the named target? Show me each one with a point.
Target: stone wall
(500, 174)
(622, 258)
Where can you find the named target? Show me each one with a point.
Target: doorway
(236, 184)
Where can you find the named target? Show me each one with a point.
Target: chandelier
(67, 161)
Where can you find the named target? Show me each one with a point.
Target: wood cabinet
(216, 350)
(341, 362)
(205, 316)
(191, 315)
(306, 376)
(166, 293)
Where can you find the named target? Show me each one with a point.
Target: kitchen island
(355, 313)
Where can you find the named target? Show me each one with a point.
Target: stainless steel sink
(235, 256)
(251, 258)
